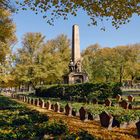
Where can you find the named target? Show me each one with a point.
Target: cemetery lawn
(93, 127)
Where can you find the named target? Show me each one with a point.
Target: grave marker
(48, 105)
(124, 104)
(68, 110)
(108, 102)
(83, 114)
(57, 107)
(130, 98)
(138, 128)
(118, 97)
(106, 120)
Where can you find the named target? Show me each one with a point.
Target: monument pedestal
(75, 78)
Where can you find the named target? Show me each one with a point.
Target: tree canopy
(39, 61)
(119, 11)
(7, 5)
(7, 39)
(112, 64)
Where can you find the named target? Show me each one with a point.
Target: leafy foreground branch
(119, 11)
(18, 122)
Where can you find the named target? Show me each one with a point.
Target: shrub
(116, 90)
(57, 128)
(102, 95)
(77, 91)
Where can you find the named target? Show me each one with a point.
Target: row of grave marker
(130, 98)
(106, 119)
(36, 101)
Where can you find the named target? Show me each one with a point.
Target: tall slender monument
(75, 44)
(75, 74)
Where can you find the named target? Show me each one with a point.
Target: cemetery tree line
(45, 62)
(112, 64)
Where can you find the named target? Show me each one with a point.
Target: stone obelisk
(75, 44)
(75, 75)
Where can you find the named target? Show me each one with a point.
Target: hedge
(86, 90)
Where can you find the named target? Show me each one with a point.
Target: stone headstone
(108, 102)
(24, 98)
(52, 106)
(83, 114)
(130, 106)
(48, 105)
(57, 107)
(118, 97)
(68, 110)
(115, 122)
(27, 100)
(124, 104)
(42, 104)
(90, 116)
(138, 128)
(35, 102)
(94, 101)
(73, 112)
(32, 101)
(106, 120)
(38, 102)
(130, 98)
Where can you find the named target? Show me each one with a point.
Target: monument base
(75, 78)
